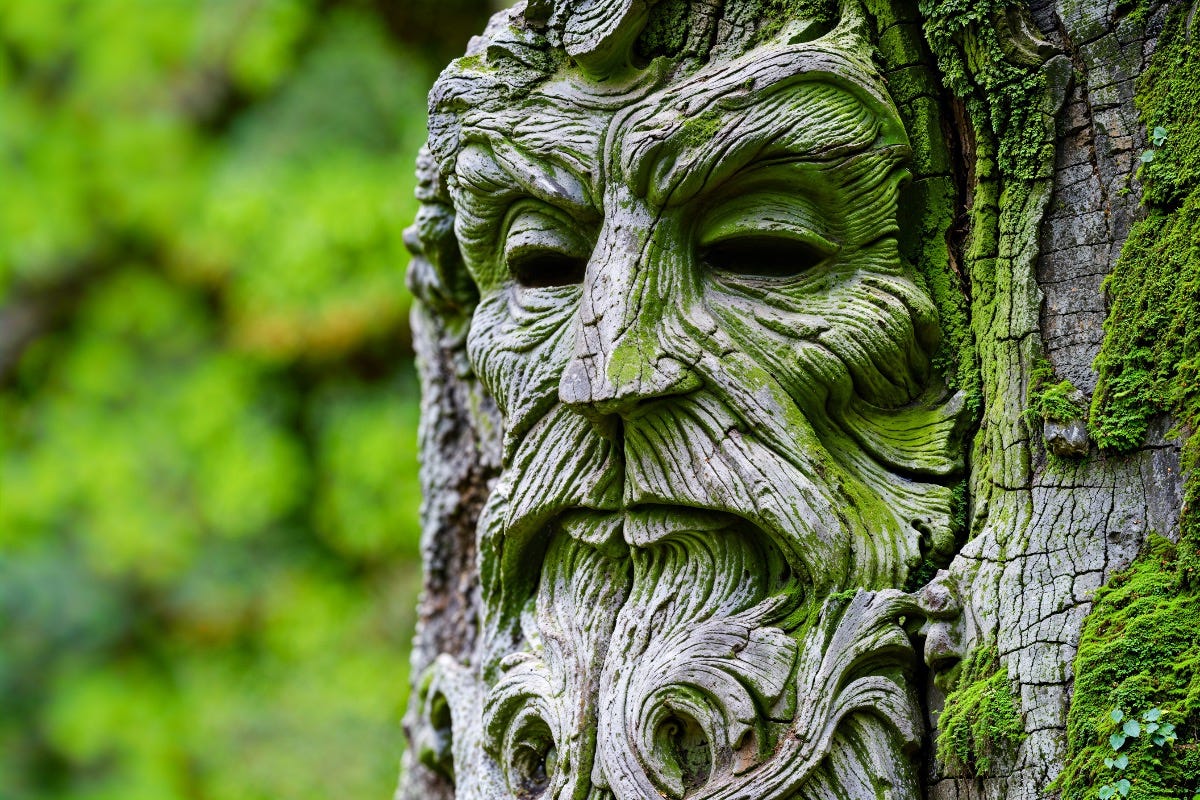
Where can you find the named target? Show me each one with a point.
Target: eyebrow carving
(497, 173)
(807, 103)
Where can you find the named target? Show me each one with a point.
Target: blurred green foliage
(208, 492)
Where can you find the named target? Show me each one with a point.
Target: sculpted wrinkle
(692, 314)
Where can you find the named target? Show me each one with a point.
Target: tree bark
(1024, 142)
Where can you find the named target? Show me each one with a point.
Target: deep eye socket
(533, 758)
(767, 232)
(544, 248)
(769, 255)
(540, 268)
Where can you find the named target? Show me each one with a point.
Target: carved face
(712, 368)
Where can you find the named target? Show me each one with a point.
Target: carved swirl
(689, 304)
(701, 670)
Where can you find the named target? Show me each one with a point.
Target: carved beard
(680, 629)
(713, 371)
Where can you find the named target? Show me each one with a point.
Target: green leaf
(1151, 727)
(1106, 792)
(1108, 762)
(1159, 135)
(1116, 741)
(1121, 761)
(1154, 714)
(1123, 787)
(1132, 728)
(1116, 715)
(1147, 157)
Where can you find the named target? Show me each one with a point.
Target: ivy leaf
(1151, 727)
(1116, 715)
(1132, 728)
(1147, 156)
(1158, 739)
(1106, 792)
(1116, 741)
(1123, 787)
(1159, 135)
(1154, 714)
(1166, 729)
(1121, 761)
(1108, 762)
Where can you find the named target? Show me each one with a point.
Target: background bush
(208, 495)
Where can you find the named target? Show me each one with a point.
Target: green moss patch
(1053, 401)
(1150, 360)
(1140, 649)
(981, 721)
(1003, 97)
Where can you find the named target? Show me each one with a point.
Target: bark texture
(839, 552)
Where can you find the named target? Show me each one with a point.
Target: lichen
(1140, 649)
(981, 721)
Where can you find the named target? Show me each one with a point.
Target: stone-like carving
(683, 268)
(723, 447)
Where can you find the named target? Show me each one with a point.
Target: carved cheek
(519, 341)
(851, 329)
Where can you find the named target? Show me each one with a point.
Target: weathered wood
(728, 317)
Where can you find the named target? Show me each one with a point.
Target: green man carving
(672, 239)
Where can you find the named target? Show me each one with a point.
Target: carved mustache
(693, 452)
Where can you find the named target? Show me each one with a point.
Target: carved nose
(629, 307)
(612, 386)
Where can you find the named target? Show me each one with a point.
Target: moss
(777, 12)
(955, 358)
(1056, 403)
(921, 574)
(1148, 363)
(1050, 400)
(981, 721)
(1140, 649)
(822, 10)
(1003, 98)
(666, 30)
(929, 204)
(700, 129)
(1150, 360)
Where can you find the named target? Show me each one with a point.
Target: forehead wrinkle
(763, 136)
(546, 178)
(663, 148)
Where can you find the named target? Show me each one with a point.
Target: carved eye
(534, 761)
(766, 255)
(537, 268)
(544, 248)
(771, 233)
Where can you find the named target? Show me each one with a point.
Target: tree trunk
(757, 338)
